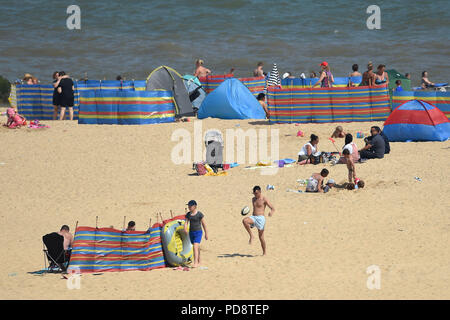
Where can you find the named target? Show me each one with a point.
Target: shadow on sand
(261, 123)
(233, 255)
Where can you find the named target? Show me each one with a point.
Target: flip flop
(186, 269)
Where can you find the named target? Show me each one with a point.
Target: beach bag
(200, 168)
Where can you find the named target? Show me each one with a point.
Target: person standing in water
(368, 78)
(326, 78)
(258, 219)
(381, 77)
(200, 70)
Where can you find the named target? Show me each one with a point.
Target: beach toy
(245, 211)
(270, 187)
(226, 166)
(281, 163)
(176, 243)
(300, 133)
(417, 178)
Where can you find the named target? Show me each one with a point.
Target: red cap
(324, 63)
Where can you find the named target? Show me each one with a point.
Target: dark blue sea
(132, 38)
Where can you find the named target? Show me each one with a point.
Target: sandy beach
(319, 245)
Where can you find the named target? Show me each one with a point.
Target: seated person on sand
(338, 132)
(375, 147)
(200, 70)
(131, 226)
(315, 182)
(352, 149)
(15, 120)
(261, 99)
(308, 150)
(387, 147)
(426, 83)
(68, 237)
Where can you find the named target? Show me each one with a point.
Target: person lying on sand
(68, 237)
(258, 219)
(315, 182)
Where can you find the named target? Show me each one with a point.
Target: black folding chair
(57, 257)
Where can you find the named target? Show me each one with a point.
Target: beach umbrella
(274, 77)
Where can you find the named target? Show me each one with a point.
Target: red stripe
(126, 113)
(276, 89)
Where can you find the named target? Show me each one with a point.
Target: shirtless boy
(258, 219)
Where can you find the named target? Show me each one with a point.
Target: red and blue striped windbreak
(106, 249)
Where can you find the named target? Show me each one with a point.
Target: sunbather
(68, 237)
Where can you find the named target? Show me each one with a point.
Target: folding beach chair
(57, 257)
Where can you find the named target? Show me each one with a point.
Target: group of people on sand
(63, 95)
(376, 146)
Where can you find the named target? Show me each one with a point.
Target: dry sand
(319, 245)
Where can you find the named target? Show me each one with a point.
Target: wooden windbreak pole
(171, 214)
(96, 222)
(150, 223)
(124, 219)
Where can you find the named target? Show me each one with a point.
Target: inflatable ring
(177, 246)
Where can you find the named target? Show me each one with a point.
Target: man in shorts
(258, 219)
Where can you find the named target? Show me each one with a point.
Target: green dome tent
(166, 78)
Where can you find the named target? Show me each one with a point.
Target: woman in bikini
(381, 77)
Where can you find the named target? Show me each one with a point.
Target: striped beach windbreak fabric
(126, 107)
(437, 98)
(318, 105)
(106, 249)
(254, 84)
(209, 83)
(35, 101)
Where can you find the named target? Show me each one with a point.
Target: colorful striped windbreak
(289, 105)
(209, 83)
(437, 98)
(126, 107)
(35, 101)
(106, 249)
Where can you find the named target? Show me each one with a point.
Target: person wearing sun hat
(326, 77)
(195, 219)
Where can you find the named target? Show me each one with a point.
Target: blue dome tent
(231, 100)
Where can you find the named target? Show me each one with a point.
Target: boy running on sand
(258, 219)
